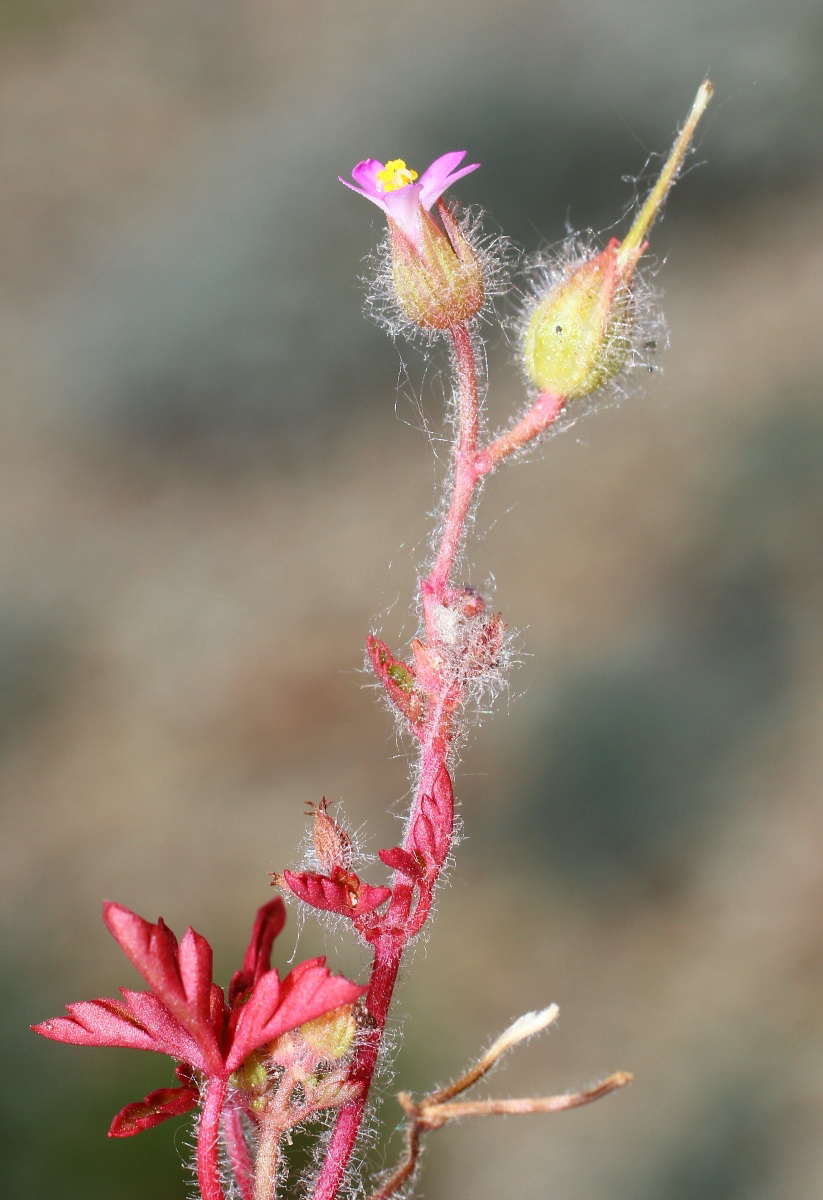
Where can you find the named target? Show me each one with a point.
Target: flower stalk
(208, 1141)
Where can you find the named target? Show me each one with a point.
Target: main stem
(469, 467)
(389, 946)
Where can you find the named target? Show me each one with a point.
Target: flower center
(395, 175)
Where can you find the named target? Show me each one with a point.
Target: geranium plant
(273, 1054)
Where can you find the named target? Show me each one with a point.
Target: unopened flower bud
(331, 1036)
(580, 333)
(253, 1079)
(331, 1090)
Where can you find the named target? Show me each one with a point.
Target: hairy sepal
(400, 682)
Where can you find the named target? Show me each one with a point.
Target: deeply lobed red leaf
(180, 976)
(257, 961)
(432, 830)
(274, 1008)
(103, 1022)
(185, 1014)
(157, 1107)
(399, 859)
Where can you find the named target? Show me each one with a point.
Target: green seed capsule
(580, 334)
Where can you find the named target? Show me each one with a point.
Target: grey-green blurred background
(215, 478)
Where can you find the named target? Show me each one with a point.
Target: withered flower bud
(332, 845)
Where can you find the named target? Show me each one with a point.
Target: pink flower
(392, 186)
(187, 1016)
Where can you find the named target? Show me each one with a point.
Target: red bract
(187, 1016)
(419, 860)
(342, 892)
(399, 681)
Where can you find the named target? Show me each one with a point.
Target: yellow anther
(395, 175)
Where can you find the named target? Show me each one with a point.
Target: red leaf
(179, 976)
(432, 830)
(137, 1022)
(168, 1035)
(369, 898)
(346, 895)
(268, 923)
(274, 1008)
(101, 1022)
(319, 891)
(157, 1107)
(400, 860)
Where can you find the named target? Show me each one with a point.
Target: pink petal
(402, 205)
(375, 199)
(158, 1106)
(443, 166)
(365, 175)
(441, 175)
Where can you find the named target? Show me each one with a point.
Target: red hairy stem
(400, 924)
(239, 1152)
(398, 929)
(268, 1160)
(464, 479)
(208, 1138)
(543, 413)
(387, 955)
(388, 951)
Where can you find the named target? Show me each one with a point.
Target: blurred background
(215, 479)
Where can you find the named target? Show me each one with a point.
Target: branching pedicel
(271, 1054)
